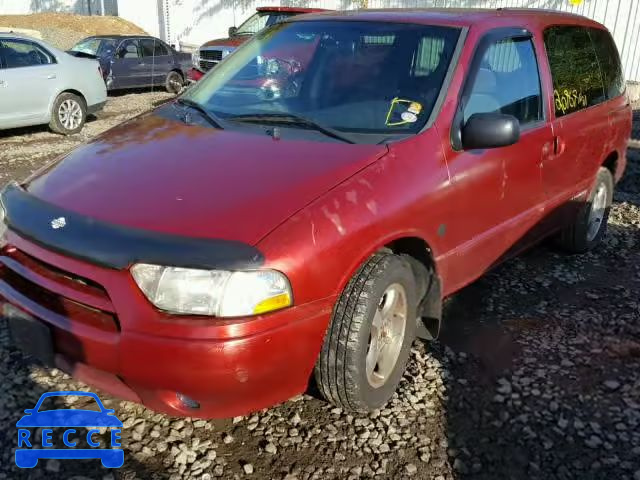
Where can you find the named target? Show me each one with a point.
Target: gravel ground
(537, 375)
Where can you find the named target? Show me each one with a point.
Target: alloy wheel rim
(174, 83)
(597, 212)
(70, 114)
(387, 335)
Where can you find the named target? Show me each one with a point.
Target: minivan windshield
(348, 76)
(261, 20)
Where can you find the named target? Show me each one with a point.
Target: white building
(192, 22)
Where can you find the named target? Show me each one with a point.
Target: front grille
(205, 66)
(55, 273)
(209, 59)
(211, 55)
(83, 301)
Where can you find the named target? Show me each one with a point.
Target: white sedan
(40, 84)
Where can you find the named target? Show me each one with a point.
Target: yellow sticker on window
(415, 108)
(410, 115)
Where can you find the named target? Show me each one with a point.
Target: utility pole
(102, 7)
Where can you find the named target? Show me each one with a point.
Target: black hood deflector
(115, 246)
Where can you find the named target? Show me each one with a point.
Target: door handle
(51, 77)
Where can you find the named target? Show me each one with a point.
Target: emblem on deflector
(58, 223)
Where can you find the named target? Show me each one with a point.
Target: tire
(174, 82)
(344, 372)
(590, 225)
(68, 115)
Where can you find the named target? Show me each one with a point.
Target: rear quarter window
(609, 60)
(577, 79)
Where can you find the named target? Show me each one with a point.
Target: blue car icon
(70, 419)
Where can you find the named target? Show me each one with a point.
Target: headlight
(216, 293)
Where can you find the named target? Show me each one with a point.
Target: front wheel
(174, 82)
(68, 114)
(590, 225)
(368, 342)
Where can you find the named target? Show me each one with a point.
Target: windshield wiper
(209, 117)
(293, 120)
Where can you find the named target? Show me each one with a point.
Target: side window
(129, 49)
(507, 81)
(609, 60)
(160, 49)
(151, 48)
(146, 47)
(22, 53)
(577, 80)
(276, 18)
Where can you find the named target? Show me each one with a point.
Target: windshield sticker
(409, 117)
(402, 112)
(415, 108)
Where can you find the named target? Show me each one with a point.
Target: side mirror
(490, 130)
(233, 31)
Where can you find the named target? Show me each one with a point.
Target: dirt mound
(63, 30)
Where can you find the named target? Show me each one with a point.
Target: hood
(82, 55)
(159, 174)
(228, 42)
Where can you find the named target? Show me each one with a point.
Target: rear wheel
(369, 339)
(68, 114)
(174, 82)
(590, 225)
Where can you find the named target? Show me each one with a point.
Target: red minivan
(211, 257)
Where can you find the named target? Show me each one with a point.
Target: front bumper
(194, 75)
(95, 108)
(230, 367)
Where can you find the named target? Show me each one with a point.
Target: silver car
(40, 84)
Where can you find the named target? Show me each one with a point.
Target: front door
(127, 66)
(27, 82)
(498, 192)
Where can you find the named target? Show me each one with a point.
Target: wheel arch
(421, 256)
(179, 71)
(610, 162)
(66, 90)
